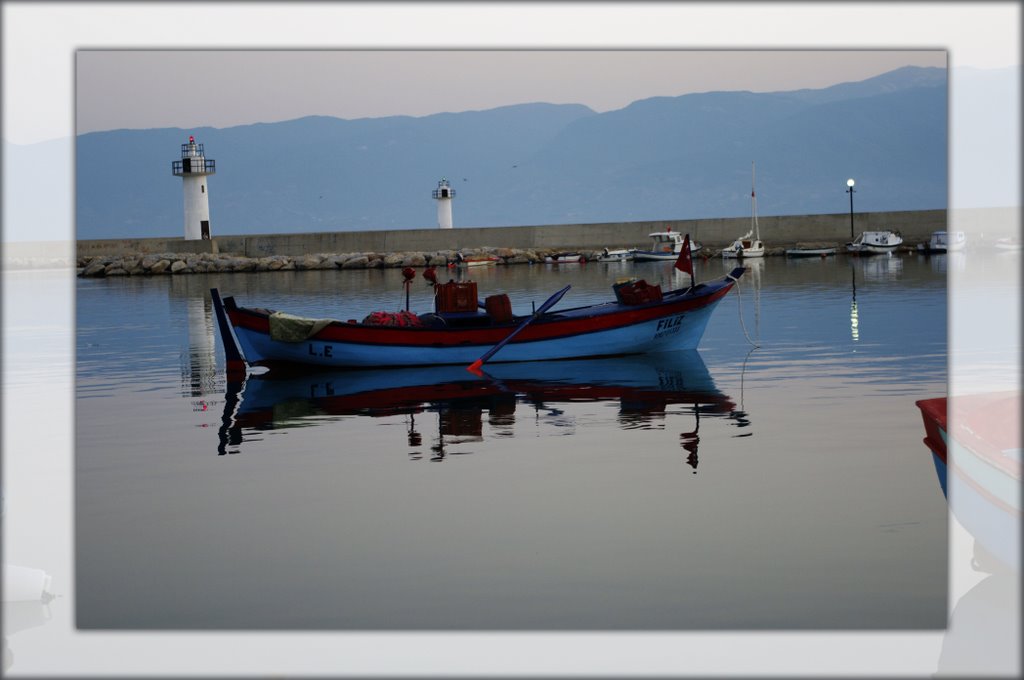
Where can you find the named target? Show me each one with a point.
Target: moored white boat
(665, 245)
(564, 258)
(810, 251)
(618, 255)
(943, 242)
(750, 244)
(875, 242)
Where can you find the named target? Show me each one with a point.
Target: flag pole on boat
(409, 273)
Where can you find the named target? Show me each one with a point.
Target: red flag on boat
(685, 262)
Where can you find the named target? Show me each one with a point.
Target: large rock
(153, 258)
(178, 266)
(359, 262)
(160, 267)
(95, 268)
(308, 262)
(415, 260)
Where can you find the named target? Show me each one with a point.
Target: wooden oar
(551, 302)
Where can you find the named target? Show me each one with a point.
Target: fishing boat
(665, 245)
(943, 242)
(875, 242)
(745, 246)
(975, 442)
(618, 255)
(463, 330)
(564, 258)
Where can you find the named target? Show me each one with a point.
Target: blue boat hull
(676, 322)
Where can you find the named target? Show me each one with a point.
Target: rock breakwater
(204, 263)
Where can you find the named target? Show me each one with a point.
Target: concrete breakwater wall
(776, 231)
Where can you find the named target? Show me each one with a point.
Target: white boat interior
(876, 242)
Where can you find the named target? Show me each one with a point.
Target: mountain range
(683, 157)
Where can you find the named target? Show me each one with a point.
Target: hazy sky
(223, 88)
(42, 42)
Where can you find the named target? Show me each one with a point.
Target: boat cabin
(879, 238)
(666, 241)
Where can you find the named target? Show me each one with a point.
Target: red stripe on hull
(542, 329)
(933, 412)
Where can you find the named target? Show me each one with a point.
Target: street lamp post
(849, 190)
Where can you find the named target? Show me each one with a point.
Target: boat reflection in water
(644, 386)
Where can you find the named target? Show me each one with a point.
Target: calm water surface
(777, 487)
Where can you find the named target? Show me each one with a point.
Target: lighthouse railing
(194, 166)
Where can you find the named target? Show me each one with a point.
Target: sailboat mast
(753, 202)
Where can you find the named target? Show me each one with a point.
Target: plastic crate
(456, 296)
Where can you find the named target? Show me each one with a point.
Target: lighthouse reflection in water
(445, 407)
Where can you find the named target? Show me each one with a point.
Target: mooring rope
(739, 298)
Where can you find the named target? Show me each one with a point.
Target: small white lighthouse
(444, 195)
(193, 168)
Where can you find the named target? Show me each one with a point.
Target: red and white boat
(978, 463)
(462, 330)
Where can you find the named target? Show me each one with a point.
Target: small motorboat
(564, 258)
(943, 242)
(619, 255)
(475, 260)
(875, 242)
(810, 250)
(665, 245)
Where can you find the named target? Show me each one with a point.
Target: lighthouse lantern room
(444, 194)
(193, 168)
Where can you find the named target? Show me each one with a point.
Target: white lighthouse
(444, 195)
(193, 168)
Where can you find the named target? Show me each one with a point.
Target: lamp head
(850, 182)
